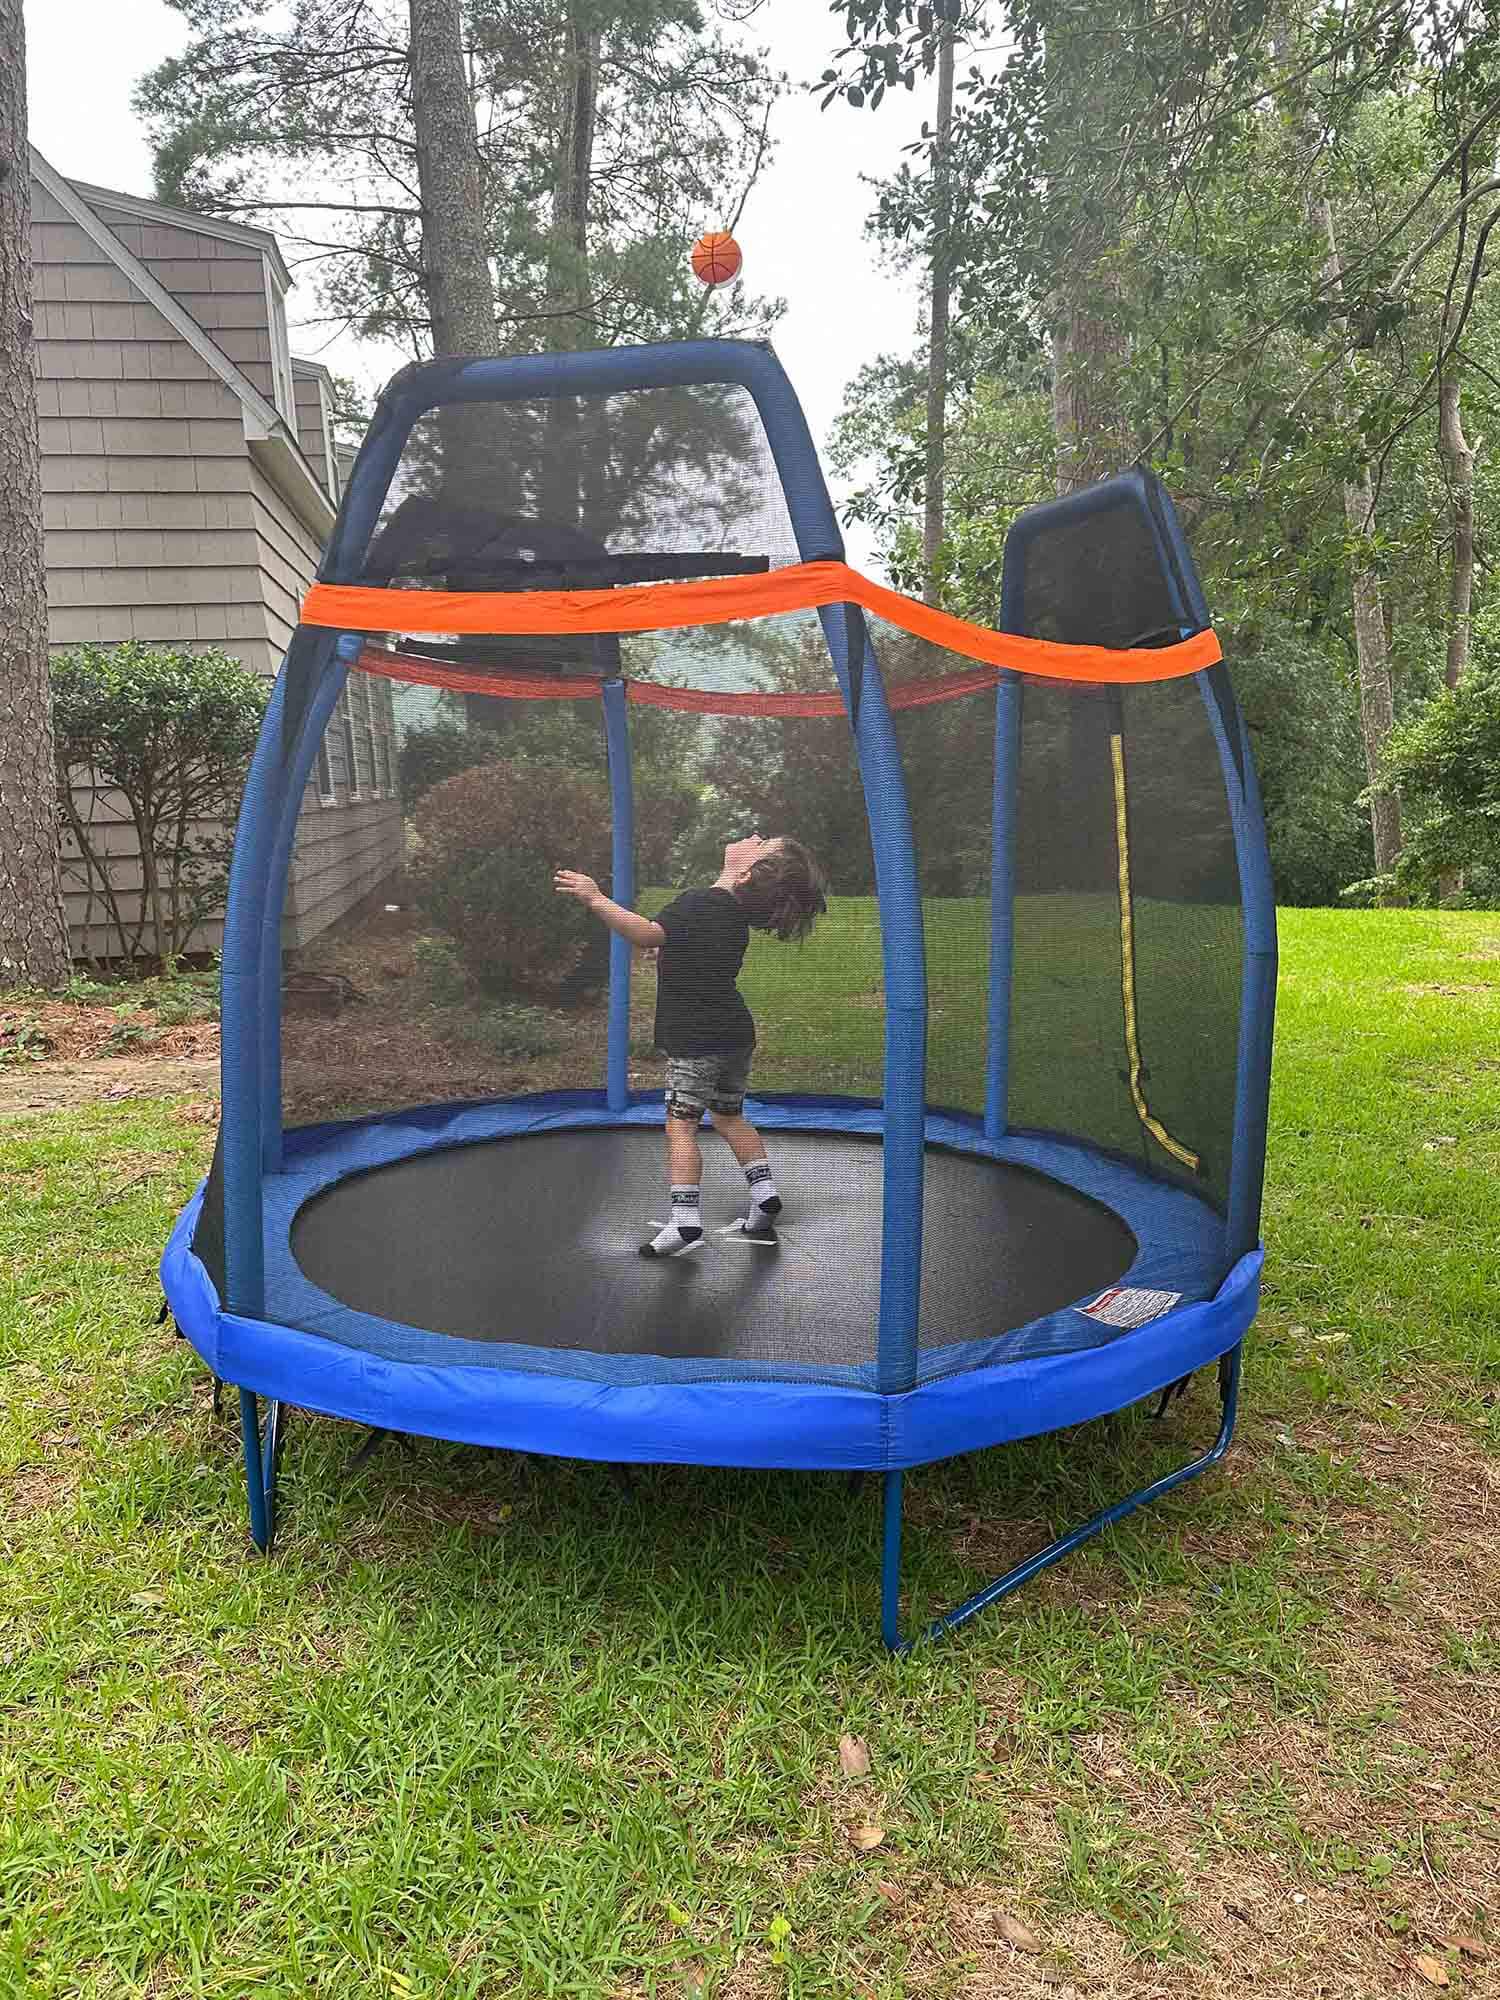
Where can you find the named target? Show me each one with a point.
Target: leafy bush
(513, 1032)
(1446, 763)
(442, 750)
(441, 970)
(488, 844)
(169, 734)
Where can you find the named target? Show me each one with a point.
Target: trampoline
(1047, 982)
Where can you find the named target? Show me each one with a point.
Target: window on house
(371, 735)
(330, 457)
(380, 736)
(283, 395)
(346, 732)
(326, 793)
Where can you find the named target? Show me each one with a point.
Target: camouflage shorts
(696, 1084)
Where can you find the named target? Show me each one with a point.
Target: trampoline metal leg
(949, 1621)
(890, 1568)
(262, 1443)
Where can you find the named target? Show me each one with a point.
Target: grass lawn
(489, 1726)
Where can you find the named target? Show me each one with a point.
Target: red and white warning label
(1130, 1305)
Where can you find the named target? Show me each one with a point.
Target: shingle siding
(158, 524)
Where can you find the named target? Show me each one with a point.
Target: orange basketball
(716, 257)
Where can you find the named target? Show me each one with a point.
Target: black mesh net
(1100, 578)
(646, 485)
(437, 815)
(1136, 979)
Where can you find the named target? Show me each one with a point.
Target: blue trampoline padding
(629, 1407)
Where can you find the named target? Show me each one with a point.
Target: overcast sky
(802, 232)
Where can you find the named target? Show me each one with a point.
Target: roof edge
(148, 210)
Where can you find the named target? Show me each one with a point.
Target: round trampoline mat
(534, 1239)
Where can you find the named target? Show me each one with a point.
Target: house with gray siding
(189, 479)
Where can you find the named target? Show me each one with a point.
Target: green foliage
(1187, 263)
(441, 750)
(22, 1038)
(441, 970)
(300, 119)
(170, 734)
(1446, 763)
(1302, 711)
(488, 844)
(513, 1032)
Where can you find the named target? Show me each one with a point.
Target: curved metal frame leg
(262, 1442)
(949, 1621)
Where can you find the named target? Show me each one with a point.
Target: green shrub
(513, 1032)
(170, 734)
(441, 970)
(488, 844)
(442, 750)
(1446, 763)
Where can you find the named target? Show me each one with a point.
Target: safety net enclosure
(1014, 1085)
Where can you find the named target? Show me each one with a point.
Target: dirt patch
(364, 1031)
(61, 1086)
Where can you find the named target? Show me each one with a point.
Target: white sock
(764, 1200)
(684, 1231)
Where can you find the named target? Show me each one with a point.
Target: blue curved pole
(320, 709)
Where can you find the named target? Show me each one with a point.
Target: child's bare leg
(744, 1141)
(684, 1154)
(684, 1230)
(750, 1150)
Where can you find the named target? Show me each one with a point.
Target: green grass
(490, 1726)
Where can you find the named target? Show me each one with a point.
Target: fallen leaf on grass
(854, 1757)
(147, 1600)
(866, 1837)
(1016, 1933)
(891, 1893)
(1432, 1970)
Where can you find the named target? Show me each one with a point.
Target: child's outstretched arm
(635, 929)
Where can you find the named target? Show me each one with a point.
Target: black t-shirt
(698, 1006)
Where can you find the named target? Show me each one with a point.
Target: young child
(703, 1026)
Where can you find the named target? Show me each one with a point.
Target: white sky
(802, 232)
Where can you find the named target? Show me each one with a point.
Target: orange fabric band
(718, 600)
(397, 666)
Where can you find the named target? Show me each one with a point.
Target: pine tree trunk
(569, 273)
(455, 260)
(1085, 353)
(33, 931)
(937, 339)
(566, 498)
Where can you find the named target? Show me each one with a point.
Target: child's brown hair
(785, 891)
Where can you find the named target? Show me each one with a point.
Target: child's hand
(568, 882)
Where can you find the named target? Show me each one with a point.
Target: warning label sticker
(1130, 1305)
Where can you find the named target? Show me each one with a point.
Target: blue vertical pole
(275, 776)
(904, 971)
(1002, 904)
(622, 802)
(1252, 1093)
(1252, 1084)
